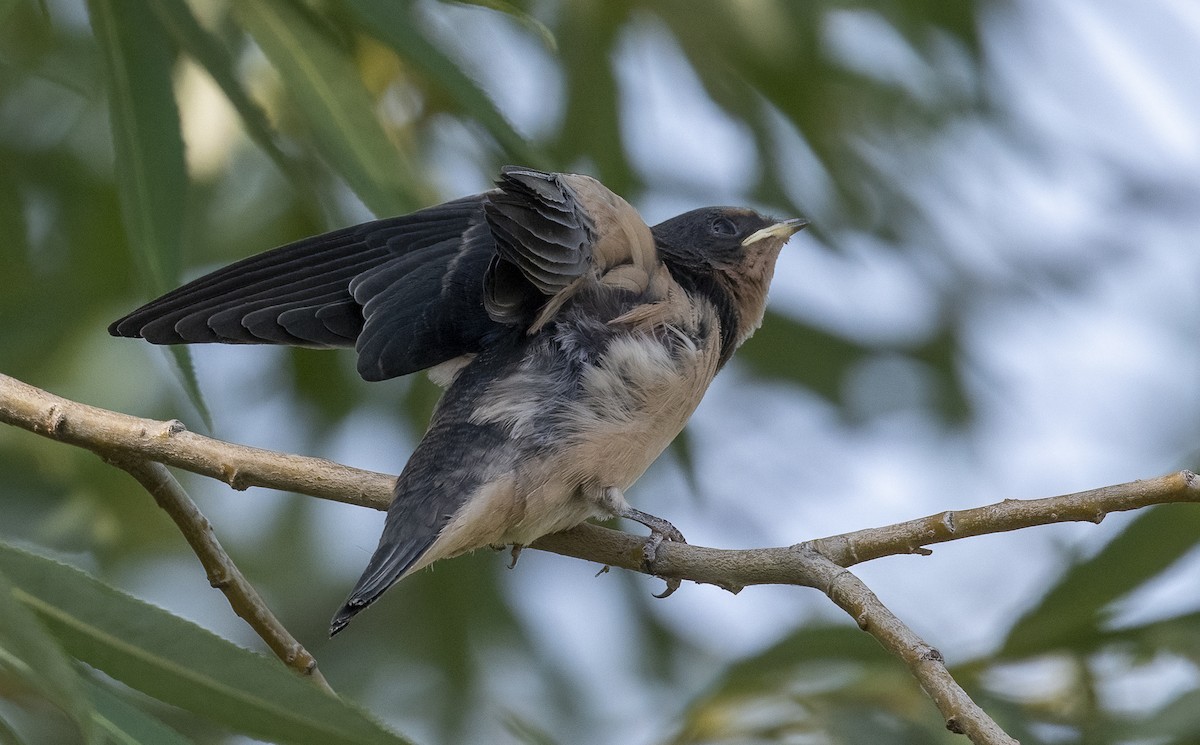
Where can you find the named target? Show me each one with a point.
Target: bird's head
(735, 241)
(734, 246)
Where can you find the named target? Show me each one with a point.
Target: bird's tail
(391, 561)
(452, 464)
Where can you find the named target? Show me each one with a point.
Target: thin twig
(1012, 514)
(963, 715)
(223, 574)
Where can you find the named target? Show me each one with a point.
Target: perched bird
(573, 342)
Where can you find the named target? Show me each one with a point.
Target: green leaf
(151, 174)
(820, 645)
(1071, 613)
(1177, 635)
(524, 731)
(785, 349)
(148, 146)
(181, 663)
(831, 679)
(391, 22)
(177, 18)
(13, 224)
(591, 128)
(126, 724)
(329, 94)
(29, 651)
(186, 372)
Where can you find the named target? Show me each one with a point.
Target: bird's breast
(595, 401)
(631, 403)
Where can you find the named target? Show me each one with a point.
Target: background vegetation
(998, 297)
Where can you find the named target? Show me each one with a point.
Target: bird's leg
(660, 530)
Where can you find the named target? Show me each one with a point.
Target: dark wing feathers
(420, 313)
(540, 228)
(407, 292)
(319, 292)
(368, 286)
(248, 312)
(343, 318)
(206, 310)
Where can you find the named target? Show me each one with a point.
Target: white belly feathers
(611, 419)
(633, 403)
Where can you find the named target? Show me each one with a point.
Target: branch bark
(819, 563)
(223, 574)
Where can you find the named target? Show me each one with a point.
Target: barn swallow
(572, 340)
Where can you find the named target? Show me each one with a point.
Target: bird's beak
(785, 229)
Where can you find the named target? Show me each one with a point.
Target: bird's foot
(517, 548)
(660, 530)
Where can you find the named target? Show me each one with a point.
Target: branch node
(732, 589)
(56, 419)
(1099, 516)
(232, 475)
(1189, 478)
(948, 522)
(863, 620)
(954, 726)
(172, 428)
(932, 654)
(921, 551)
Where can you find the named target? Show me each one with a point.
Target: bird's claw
(661, 531)
(672, 585)
(517, 548)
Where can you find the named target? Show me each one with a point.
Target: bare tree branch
(223, 574)
(927, 665)
(737, 568)
(819, 563)
(109, 433)
(1011, 514)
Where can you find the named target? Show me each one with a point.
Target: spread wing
(415, 278)
(407, 292)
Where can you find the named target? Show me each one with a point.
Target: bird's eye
(723, 226)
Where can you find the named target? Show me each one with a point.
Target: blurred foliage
(343, 108)
(834, 680)
(166, 657)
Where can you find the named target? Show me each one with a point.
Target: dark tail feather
(343, 616)
(389, 563)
